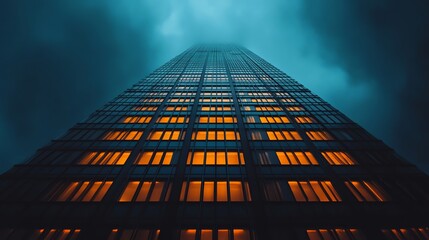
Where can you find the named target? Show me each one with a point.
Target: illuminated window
(314, 191)
(172, 120)
(338, 158)
(283, 135)
(215, 135)
(166, 135)
(134, 234)
(215, 191)
(145, 108)
(176, 108)
(210, 234)
(105, 158)
(288, 100)
(86, 191)
(181, 100)
(406, 233)
(136, 119)
(188, 234)
(215, 100)
(123, 135)
(152, 100)
(268, 108)
(367, 191)
(215, 109)
(334, 234)
(273, 119)
(215, 158)
(138, 191)
(154, 158)
(296, 158)
(42, 234)
(294, 109)
(214, 119)
(304, 120)
(263, 100)
(319, 135)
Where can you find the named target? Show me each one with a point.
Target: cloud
(62, 60)
(383, 45)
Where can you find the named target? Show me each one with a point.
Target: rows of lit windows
(271, 108)
(288, 100)
(215, 94)
(296, 158)
(219, 234)
(323, 191)
(421, 233)
(314, 191)
(135, 119)
(145, 108)
(335, 234)
(304, 120)
(215, 158)
(166, 135)
(367, 191)
(215, 100)
(216, 88)
(259, 100)
(134, 234)
(216, 119)
(173, 119)
(283, 135)
(184, 93)
(180, 100)
(301, 191)
(152, 100)
(268, 108)
(285, 158)
(105, 158)
(338, 158)
(154, 158)
(191, 87)
(142, 191)
(80, 191)
(177, 109)
(123, 135)
(282, 119)
(216, 108)
(218, 135)
(215, 191)
(319, 135)
(40, 234)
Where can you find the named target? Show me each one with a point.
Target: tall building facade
(217, 144)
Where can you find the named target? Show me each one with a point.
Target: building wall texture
(215, 144)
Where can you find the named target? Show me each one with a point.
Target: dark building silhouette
(217, 144)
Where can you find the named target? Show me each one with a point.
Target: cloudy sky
(61, 60)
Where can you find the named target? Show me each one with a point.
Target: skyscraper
(217, 144)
